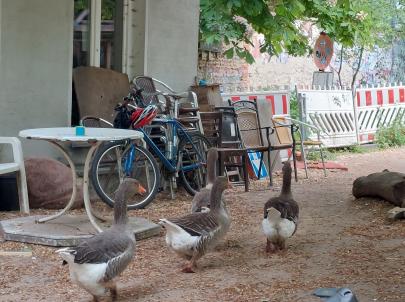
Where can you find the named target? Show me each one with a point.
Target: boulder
(386, 185)
(50, 184)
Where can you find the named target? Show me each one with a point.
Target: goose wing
(288, 208)
(201, 199)
(197, 224)
(103, 247)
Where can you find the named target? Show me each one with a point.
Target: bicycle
(184, 157)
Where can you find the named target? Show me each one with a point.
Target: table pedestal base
(67, 230)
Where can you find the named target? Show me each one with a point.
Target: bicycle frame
(172, 165)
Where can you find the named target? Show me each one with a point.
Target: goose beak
(141, 189)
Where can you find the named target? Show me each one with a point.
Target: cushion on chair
(50, 184)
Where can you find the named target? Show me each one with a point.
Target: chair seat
(257, 148)
(232, 150)
(311, 143)
(281, 147)
(188, 109)
(9, 167)
(188, 119)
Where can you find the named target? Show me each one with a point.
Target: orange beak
(141, 189)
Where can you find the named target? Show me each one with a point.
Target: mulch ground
(340, 242)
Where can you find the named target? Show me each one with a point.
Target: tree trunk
(386, 185)
(340, 66)
(358, 67)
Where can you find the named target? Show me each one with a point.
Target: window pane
(111, 34)
(81, 25)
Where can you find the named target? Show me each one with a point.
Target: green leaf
(229, 53)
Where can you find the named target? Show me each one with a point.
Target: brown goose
(280, 215)
(96, 261)
(201, 200)
(191, 236)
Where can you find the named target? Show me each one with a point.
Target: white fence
(342, 119)
(378, 107)
(332, 112)
(347, 121)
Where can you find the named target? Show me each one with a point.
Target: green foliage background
(364, 23)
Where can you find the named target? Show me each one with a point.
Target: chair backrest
(248, 123)
(148, 86)
(212, 126)
(282, 127)
(95, 122)
(230, 133)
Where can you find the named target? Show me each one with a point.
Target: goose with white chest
(280, 215)
(95, 262)
(193, 235)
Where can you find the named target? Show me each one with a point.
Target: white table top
(66, 134)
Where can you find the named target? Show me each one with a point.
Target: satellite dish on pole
(323, 51)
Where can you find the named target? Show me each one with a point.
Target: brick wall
(232, 74)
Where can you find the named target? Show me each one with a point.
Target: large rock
(386, 185)
(50, 184)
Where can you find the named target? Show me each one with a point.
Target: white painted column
(95, 32)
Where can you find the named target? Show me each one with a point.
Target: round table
(94, 136)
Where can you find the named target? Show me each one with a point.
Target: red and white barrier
(380, 96)
(378, 107)
(279, 101)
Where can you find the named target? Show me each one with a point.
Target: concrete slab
(67, 230)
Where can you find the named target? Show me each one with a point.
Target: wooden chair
(252, 138)
(212, 126)
(308, 145)
(285, 130)
(232, 157)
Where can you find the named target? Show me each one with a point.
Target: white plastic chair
(17, 166)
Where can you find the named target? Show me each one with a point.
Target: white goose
(201, 200)
(96, 261)
(191, 236)
(280, 215)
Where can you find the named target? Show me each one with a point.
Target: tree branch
(358, 66)
(340, 66)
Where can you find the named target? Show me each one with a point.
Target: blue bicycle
(182, 154)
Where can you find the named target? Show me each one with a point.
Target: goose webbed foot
(271, 247)
(189, 268)
(114, 292)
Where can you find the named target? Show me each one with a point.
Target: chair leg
(23, 193)
(295, 163)
(221, 164)
(245, 171)
(304, 157)
(270, 168)
(323, 160)
(259, 173)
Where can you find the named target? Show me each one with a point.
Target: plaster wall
(35, 67)
(162, 40)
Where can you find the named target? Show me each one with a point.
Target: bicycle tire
(196, 179)
(106, 184)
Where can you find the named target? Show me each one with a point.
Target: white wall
(35, 67)
(163, 40)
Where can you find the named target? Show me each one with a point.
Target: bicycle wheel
(107, 172)
(193, 170)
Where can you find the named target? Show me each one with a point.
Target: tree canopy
(348, 22)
